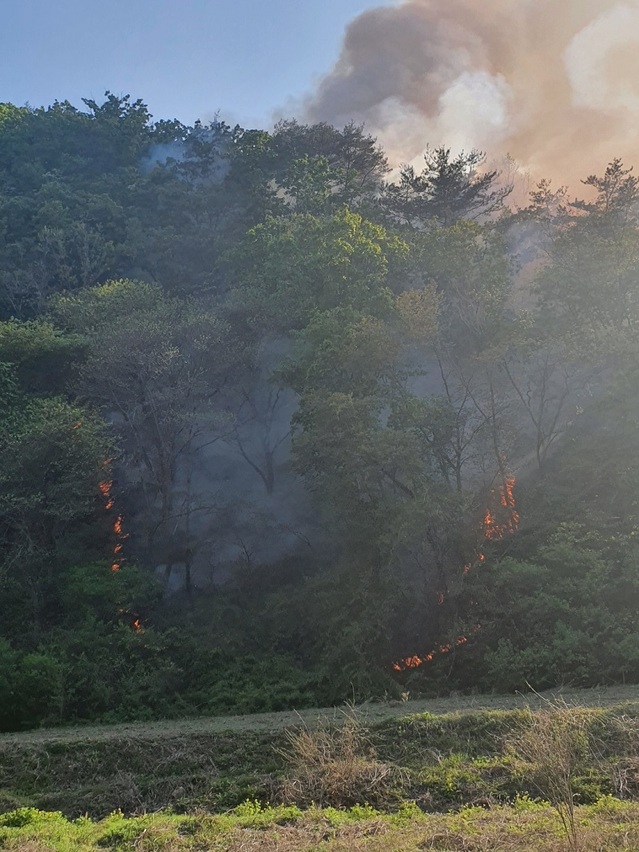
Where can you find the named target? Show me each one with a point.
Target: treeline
(279, 428)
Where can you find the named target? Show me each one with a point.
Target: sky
(551, 85)
(186, 59)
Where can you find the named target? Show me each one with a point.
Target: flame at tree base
(497, 525)
(105, 487)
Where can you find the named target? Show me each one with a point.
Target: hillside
(282, 428)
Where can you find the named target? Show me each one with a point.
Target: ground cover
(526, 825)
(443, 758)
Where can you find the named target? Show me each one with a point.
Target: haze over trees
(280, 427)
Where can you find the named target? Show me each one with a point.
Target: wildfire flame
(415, 662)
(105, 487)
(498, 527)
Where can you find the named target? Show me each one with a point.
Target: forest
(282, 427)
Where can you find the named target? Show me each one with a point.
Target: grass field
(402, 776)
(606, 827)
(372, 712)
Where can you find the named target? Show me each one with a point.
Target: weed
(334, 765)
(554, 742)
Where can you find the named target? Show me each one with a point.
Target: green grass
(607, 825)
(372, 712)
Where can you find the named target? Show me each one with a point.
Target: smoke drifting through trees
(553, 83)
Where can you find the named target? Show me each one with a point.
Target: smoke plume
(552, 83)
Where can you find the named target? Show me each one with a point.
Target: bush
(334, 765)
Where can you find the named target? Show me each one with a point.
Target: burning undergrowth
(501, 519)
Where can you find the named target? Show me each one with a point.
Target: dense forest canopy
(281, 427)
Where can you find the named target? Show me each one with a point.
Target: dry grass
(554, 742)
(334, 765)
(442, 762)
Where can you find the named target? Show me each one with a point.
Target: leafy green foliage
(289, 268)
(181, 300)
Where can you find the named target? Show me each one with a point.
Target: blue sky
(184, 58)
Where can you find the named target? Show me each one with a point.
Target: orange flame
(415, 662)
(495, 528)
(470, 566)
(105, 488)
(117, 529)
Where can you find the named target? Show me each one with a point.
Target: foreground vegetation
(442, 760)
(609, 825)
(547, 775)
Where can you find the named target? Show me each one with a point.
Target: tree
(308, 185)
(447, 190)
(468, 269)
(547, 384)
(587, 287)
(41, 357)
(262, 427)
(287, 269)
(98, 193)
(53, 460)
(375, 468)
(349, 165)
(65, 181)
(561, 612)
(156, 367)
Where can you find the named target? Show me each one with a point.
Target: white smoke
(552, 83)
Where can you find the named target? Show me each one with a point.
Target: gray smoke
(552, 83)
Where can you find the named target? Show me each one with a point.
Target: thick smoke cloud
(552, 83)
